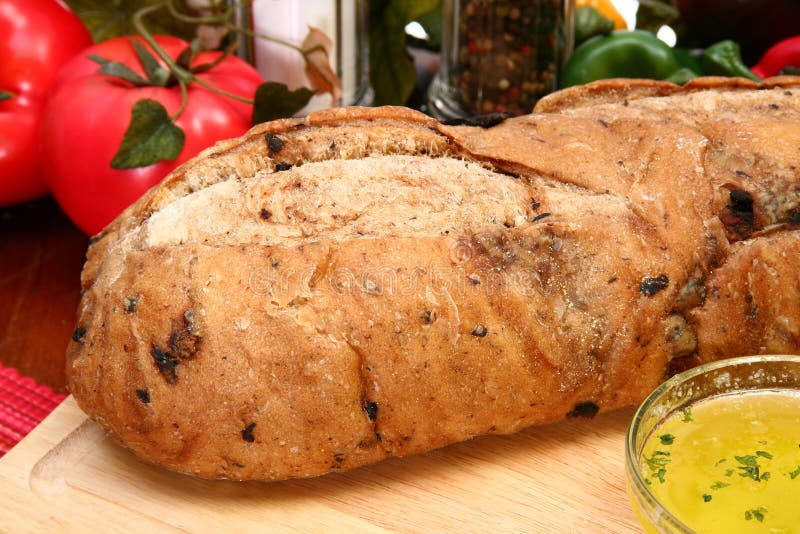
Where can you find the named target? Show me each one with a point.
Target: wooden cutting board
(565, 477)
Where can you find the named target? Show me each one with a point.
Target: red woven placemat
(23, 404)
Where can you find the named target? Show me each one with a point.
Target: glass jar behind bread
(342, 24)
(500, 56)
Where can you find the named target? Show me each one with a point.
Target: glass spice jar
(500, 55)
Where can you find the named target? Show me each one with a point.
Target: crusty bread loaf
(324, 293)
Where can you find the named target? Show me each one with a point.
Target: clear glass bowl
(744, 374)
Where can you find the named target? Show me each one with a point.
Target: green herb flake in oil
(660, 475)
(757, 513)
(748, 460)
(656, 463)
(657, 460)
(687, 414)
(748, 470)
(736, 473)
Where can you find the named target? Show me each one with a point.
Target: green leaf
(111, 18)
(5, 95)
(719, 485)
(652, 14)
(118, 70)
(391, 69)
(151, 137)
(431, 22)
(275, 101)
(681, 76)
(590, 22)
(725, 59)
(689, 58)
(794, 474)
(204, 67)
(186, 56)
(706, 497)
(156, 74)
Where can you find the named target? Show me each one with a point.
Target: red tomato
(36, 38)
(88, 113)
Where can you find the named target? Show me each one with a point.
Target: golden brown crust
(323, 293)
(615, 90)
(753, 300)
(622, 90)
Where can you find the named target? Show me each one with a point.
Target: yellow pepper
(607, 9)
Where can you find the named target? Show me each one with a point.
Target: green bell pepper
(724, 59)
(623, 54)
(589, 22)
(691, 65)
(690, 58)
(640, 54)
(720, 59)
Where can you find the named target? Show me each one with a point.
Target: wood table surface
(41, 256)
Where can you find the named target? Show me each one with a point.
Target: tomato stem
(219, 91)
(184, 100)
(224, 20)
(138, 23)
(222, 57)
(250, 33)
(220, 19)
(184, 76)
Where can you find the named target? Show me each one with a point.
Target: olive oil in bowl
(717, 449)
(729, 463)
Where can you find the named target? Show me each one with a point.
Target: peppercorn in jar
(500, 56)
